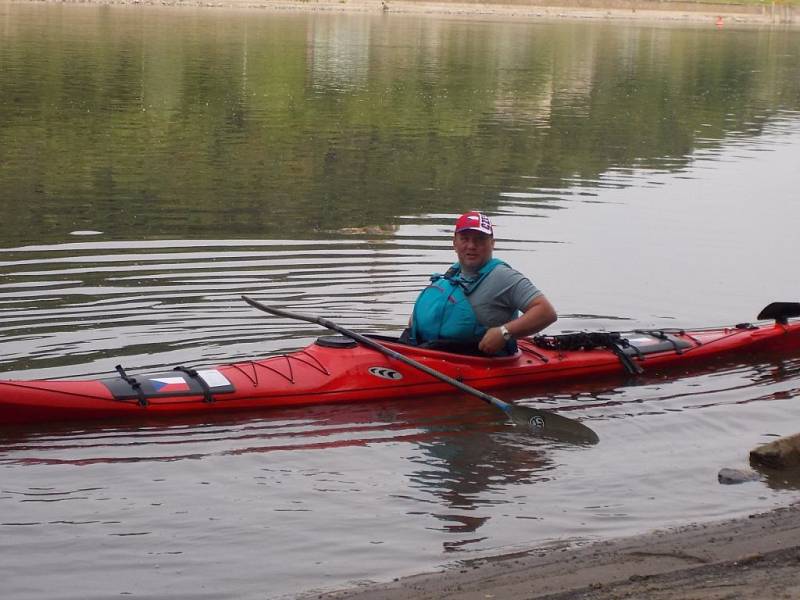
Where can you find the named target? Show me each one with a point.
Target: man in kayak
(480, 301)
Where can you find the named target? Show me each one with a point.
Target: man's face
(473, 248)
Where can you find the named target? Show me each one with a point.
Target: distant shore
(715, 14)
(750, 558)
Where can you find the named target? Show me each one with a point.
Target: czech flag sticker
(166, 385)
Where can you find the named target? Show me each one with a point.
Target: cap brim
(474, 229)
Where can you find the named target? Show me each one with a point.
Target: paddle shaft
(504, 406)
(542, 422)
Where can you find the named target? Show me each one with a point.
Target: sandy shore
(756, 557)
(718, 15)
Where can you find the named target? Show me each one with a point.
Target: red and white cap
(474, 221)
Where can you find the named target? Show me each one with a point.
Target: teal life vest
(443, 311)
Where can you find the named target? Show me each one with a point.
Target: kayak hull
(327, 373)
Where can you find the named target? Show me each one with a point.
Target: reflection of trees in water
(233, 125)
(469, 471)
(338, 52)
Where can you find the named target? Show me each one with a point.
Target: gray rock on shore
(730, 476)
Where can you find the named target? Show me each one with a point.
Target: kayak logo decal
(385, 373)
(537, 422)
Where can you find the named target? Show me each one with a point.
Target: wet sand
(755, 557)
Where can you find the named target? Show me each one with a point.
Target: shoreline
(756, 556)
(672, 11)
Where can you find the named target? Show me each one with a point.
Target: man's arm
(536, 316)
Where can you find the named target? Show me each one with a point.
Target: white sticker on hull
(213, 378)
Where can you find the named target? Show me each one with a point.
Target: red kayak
(338, 369)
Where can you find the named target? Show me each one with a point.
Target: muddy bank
(752, 557)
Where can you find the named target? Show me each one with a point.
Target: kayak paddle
(542, 422)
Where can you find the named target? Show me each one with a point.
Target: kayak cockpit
(464, 352)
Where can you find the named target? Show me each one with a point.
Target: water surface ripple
(155, 165)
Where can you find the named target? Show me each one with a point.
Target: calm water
(156, 164)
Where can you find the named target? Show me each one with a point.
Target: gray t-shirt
(499, 297)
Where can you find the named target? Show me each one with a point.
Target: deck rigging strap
(207, 397)
(135, 385)
(588, 341)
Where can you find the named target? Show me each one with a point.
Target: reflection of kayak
(336, 369)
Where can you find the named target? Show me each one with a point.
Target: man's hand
(537, 315)
(492, 341)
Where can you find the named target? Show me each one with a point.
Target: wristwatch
(506, 333)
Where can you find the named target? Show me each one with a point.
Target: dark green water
(147, 123)
(156, 164)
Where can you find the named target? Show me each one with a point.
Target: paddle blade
(780, 311)
(551, 425)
